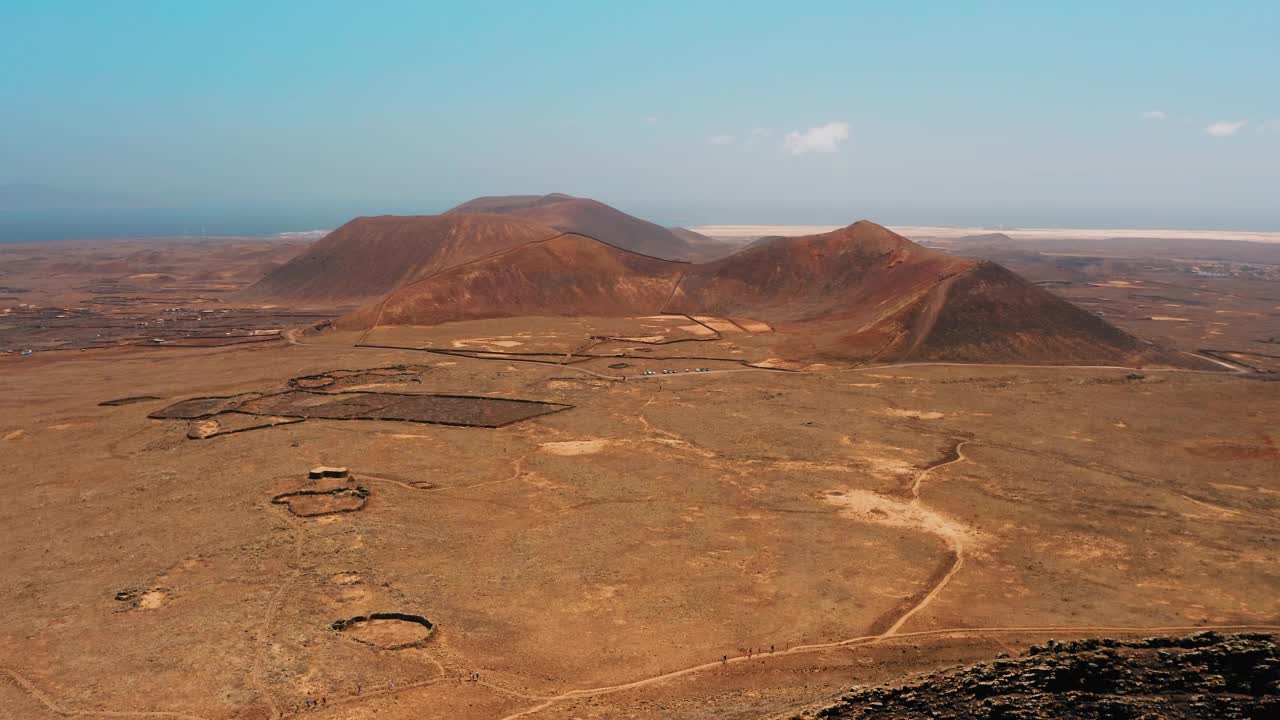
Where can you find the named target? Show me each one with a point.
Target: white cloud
(756, 136)
(720, 139)
(824, 139)
(1223, 128)
(1155, 115)
(651, 119)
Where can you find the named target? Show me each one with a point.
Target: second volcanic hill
(370, 256)
(603, 222)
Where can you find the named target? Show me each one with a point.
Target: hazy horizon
(158, 119)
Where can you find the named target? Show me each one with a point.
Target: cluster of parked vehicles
(673, 372)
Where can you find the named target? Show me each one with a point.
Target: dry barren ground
(733, 543)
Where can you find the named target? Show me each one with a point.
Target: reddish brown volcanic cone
(859, 293)
(371, 256)
(567, 275)
(833, 276)
(595, 219)
(989, 312)
(864, 292)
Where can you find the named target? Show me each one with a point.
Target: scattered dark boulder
(1206, 675)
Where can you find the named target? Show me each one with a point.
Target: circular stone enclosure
(315, 503)
(387, 631)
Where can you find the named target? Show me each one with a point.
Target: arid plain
(690, 522)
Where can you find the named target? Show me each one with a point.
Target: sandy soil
(741, 542)
(605, 559)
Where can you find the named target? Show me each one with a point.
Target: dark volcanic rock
(1176, 678)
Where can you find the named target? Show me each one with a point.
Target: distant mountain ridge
(371, 256)
(857, 293)
(860, 293)
(595, 219)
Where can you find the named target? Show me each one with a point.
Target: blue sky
(1017, 113)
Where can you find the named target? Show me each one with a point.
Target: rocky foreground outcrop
(1207, 675)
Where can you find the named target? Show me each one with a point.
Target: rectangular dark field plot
(404, 407)
(197, 408)
(355, 405)
(473, 411)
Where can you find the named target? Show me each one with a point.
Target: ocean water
(41, 225)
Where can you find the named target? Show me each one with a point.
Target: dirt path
(980, 632)
(954, 540)
(458, 354)
(29, 688)
(268, 619)
(517, 470)
(1235, 368)
(890, 366)
(1228, 369)
(876, 639)
(957, 452)
(892, 633)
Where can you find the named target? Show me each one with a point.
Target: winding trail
(30, 689)
(370, 694)
(456, 354)
(1228, 370)
(890, 366)
(263, 639)
(954, 540)
(891, 634)
(894, 632)
(517, 470)
(875, 639)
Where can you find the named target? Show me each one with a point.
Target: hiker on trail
(770, 648)
(724, 660)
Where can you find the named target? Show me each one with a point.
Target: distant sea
(41, 225)
(100, 223)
